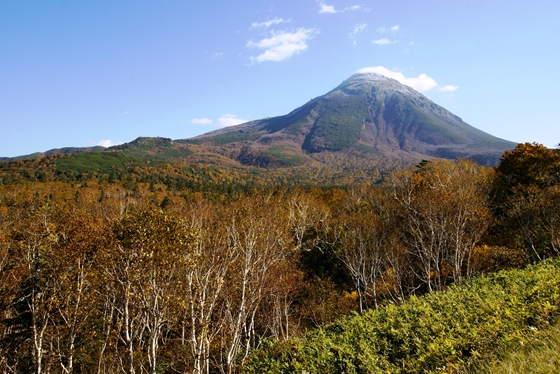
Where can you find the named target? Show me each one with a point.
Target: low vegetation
(537, 353)
(439, 332)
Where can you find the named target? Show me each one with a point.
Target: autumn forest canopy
(162, 268)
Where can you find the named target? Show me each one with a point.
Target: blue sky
(81, 73)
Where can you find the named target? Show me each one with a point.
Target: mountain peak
(369, 76)
(366, 80)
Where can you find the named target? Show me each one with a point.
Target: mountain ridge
(54, 152)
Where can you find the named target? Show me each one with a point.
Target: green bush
(439, 332)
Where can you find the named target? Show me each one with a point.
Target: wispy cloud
(326, 9)
(108, 143)
(420, 83)
(383, 41)
(358, 29)
(357, 7)
(281, 45)
(230, 120)
(448, 88)
(202, 121)
(385, 30)
(224, 121)
(267, 24)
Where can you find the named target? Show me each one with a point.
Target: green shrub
(439, 332)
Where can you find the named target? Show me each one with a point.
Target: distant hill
(156, 148)
(55, 152)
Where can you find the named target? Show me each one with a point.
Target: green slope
(439, 332)
(98, 163)
(153, 148)
(339, 124)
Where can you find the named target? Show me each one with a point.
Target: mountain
(369, 122)
(367, 116)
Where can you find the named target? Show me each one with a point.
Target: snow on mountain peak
(421, 83)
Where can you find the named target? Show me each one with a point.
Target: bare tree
(204, 284)
(258, 234)
(443, 211)
(153, 249)
(79, 238)
(537, 213)
(33, 239)
(363, 255)
(304, 212)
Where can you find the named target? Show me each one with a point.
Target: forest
(121, 273)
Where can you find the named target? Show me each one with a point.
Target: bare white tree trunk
(260, 238)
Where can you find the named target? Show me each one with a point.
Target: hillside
(439, 332)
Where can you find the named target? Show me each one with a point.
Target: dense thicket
(141, 275)
(527, 203)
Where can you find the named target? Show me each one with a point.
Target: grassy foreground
(458, 330)
(539, 354)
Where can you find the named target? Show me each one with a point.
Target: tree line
(106, 277)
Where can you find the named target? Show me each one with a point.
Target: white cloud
(356, 7)
(324, 8)
(224, 121)
(281, 45)
(358, 29)
(421, 83)
(202, 121)
(448, 88)
(384, 30)
(267, 24)
(230, 120)
(108, 143)
(383, 41)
